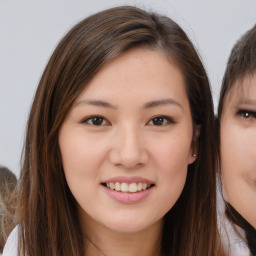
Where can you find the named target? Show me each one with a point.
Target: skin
(136, 87)
(238, 150)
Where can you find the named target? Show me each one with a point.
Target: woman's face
(238, 147)
(127, 142)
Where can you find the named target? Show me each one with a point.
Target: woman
(119, 144)
(237, 115)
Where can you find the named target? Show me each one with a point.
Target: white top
(11, 246)
(231, 241)
(234, 245)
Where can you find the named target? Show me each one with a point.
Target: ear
(194, 145)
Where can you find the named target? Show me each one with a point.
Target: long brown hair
(47, 210)
(241, 64)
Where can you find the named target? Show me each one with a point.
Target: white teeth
(125, 187)
(133, 187)
(144, 186)
(117, 186)
(112, 185)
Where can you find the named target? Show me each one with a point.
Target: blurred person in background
(237, 137)
(8, 183)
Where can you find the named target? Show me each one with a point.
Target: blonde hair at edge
(7, 203)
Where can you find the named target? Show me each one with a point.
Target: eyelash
(246, 114)
(163, 120)
(90, 119)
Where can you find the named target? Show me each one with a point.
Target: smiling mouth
(128, 187)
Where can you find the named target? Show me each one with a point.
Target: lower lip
(128, 198)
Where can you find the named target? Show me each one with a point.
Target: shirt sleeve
(11, 246)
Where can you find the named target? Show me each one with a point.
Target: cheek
(172, 163)
(238, 161)
(238, 150)
(230, 156)
(172, 154)
(80, 152)
(81, 160)
(238, 167)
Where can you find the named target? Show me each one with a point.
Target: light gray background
(30, 30)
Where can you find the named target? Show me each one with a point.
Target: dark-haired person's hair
(47, 215)
(8, 183)
(241, 64)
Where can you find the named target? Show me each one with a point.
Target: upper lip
(129, 180)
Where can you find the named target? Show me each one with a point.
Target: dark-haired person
(237, 126)
(8, 183)
(119, 157)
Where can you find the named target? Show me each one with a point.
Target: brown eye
(160, 120)
(247, 114)
(95, 120)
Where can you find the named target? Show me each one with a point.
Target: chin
(129, 225)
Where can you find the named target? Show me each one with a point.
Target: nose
(128, 149)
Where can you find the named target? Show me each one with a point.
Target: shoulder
(11, 246)
(235, 245)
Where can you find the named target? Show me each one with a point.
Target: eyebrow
(98, 103)
(247, 101)
(157, 103)
(148, 105)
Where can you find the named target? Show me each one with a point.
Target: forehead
(139, 70)
(242, 90)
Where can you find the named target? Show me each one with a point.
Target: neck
(100, 241)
